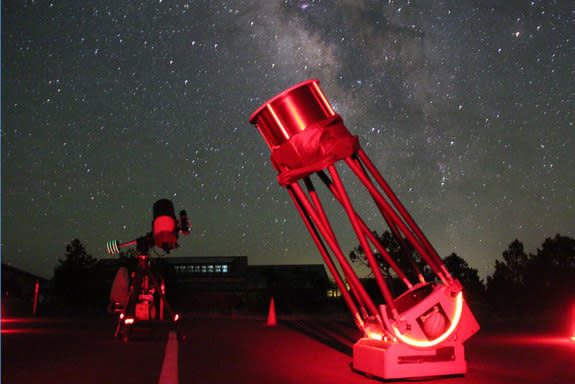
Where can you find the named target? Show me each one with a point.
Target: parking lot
(243, 349)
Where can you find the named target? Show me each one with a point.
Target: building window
(202, 268)
(333, 293)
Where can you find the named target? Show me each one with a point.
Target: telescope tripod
(147, 306)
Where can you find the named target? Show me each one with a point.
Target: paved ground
(245, 350)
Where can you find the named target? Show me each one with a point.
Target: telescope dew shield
(164, 226)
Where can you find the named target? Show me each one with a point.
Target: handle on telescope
(113, 246)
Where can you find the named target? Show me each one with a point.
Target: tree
(400, 250)
(402, 253)
(78, 281)
(357, 255)
(473, 287)
(534, 283)
(506, 287)
(550, 274)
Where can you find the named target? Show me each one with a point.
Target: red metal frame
(129, 316)
(419, 333)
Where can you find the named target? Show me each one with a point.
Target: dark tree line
(521, 283)
(535, 282)
(412, 264)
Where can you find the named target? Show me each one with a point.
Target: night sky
(466, 107)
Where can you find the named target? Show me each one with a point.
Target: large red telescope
(417, 333)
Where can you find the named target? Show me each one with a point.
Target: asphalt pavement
(243, 349)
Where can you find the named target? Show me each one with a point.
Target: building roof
(12, 271)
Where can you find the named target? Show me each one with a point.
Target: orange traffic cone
(272, 314)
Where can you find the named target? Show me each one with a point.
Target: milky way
(466, 107)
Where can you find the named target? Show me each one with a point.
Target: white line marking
(169, 374)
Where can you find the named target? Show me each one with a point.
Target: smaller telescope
(165, 230)
(140, 298)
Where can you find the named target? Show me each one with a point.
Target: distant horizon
(319, 261)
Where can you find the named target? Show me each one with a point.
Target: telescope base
(400, 361)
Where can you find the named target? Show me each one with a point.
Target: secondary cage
(419, 332)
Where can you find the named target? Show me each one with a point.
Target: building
(295, 288)
(18, 291)
(226, 284)
(210, 284)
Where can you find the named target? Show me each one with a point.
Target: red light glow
(22, 325)
(295, 114)
(323, 99)
(129, 320)
(20, 331)
(449, 331)
(164, 224)
(278, 122)
(375, 336)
